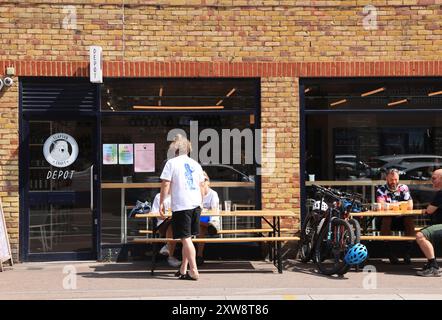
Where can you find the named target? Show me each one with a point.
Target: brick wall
(280, 112)
(277, 40)
(9, 162)
(240, 30)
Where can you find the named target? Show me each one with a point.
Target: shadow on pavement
(380, 265)
(139, 270)
(308, 268)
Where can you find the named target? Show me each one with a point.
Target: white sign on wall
(96, 64)
(5, 248)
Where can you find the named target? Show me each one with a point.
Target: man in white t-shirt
(164, 227)
(183, 176)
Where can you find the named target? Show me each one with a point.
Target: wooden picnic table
(271, 217)
(238, 213)
(387, 213)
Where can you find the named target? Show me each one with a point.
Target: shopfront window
(232, 173)
(356, 130)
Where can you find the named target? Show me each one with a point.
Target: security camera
(8, 81)
(1, 84)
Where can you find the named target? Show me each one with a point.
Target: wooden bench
(388, 238)
(271, 217)
(263, 230)
(278, 240)
(218, 240)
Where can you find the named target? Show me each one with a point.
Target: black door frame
(25, 117)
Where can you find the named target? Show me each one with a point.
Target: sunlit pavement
(219, 280)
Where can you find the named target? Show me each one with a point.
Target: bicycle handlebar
(338, 195)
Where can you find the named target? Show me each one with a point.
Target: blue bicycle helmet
(356, 255)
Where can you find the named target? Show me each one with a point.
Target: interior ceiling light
(338, 102)
(231, 92)
(227, 95)
(397, 102)
(306, 90)
(436, 93)
(372, 92)
(178, 107)
(160, 94)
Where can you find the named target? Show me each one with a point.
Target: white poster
(145, 157)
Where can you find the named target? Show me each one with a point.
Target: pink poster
(145, 157)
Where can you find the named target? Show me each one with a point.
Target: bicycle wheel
(356, 229)
(332, 244)
(306, 242)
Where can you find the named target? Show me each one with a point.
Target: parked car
(405, 161)
(348, 166)
(226, 173)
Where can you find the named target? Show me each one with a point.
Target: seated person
(392, 191)
(212, 224)
(429, 236)
(165, 229)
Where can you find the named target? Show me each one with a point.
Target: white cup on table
(228, 205)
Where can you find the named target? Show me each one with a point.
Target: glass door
(61, 179)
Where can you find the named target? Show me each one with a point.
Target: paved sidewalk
(254, 280)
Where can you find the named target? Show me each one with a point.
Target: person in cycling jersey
(393, 191)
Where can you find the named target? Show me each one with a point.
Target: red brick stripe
(225, 69)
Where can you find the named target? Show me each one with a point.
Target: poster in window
(144, 157)
(110, 155)
(125, 154)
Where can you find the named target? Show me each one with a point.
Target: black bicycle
(328, 232)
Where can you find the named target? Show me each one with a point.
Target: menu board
(5, 248)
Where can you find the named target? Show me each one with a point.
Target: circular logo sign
(60, 150)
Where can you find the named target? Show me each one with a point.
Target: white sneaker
(173, 262)
(213, 227)
(165, 250)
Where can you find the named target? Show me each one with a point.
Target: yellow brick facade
(213, 31)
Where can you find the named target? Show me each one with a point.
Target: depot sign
(96, 64)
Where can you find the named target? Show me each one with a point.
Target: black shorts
(186, 223)
(162, 228)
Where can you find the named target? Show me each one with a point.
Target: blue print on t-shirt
(189, 177)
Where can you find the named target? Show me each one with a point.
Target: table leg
(274, 244)
(154, 252)
(278, 246)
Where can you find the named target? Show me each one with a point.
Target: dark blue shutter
(65, 94)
